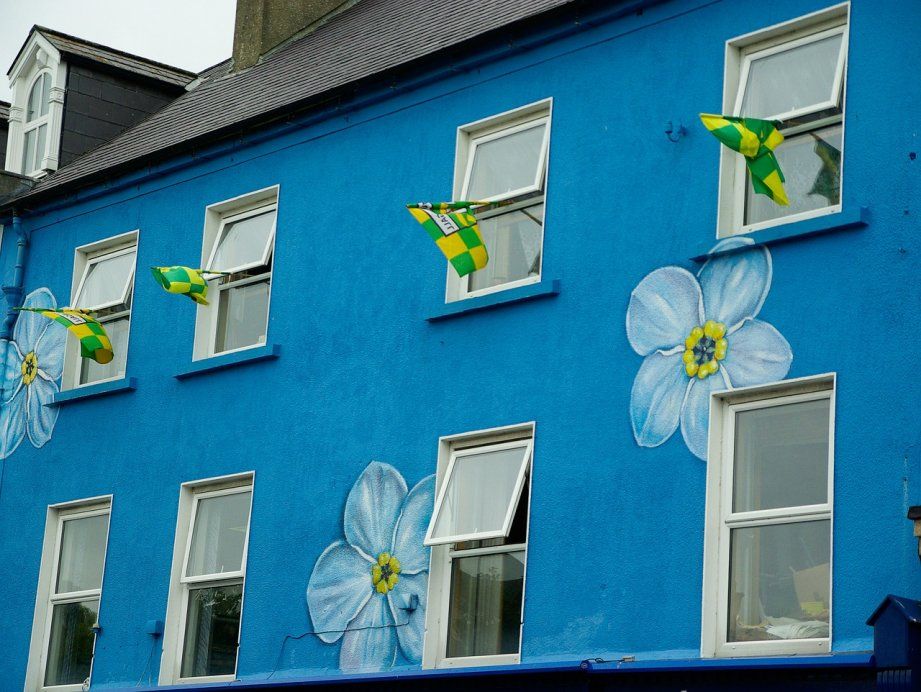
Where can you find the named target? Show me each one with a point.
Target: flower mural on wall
(369, 590)
(699, 335)
(33, 367)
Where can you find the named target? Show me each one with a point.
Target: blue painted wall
(616, 533)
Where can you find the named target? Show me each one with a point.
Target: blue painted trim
(229, 360)
(125, 384)
(847, 219)
(544, 289)
(831, 661)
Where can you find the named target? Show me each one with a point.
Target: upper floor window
(793, 74)
(206, 599)
(504, 159)
(239, 241)
(70, 588)
(479, 531)
(36, 124)
(105, 285)
(768, 574)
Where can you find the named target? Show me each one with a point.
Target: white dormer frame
(37, 56)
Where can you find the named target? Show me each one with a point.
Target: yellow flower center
(385, 574)
(29, 368)
(705, 347)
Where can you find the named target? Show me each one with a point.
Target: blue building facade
(285, 475)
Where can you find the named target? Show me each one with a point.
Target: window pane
(40, 148)
(83, 548)
(242, 316)
(792, 79)
(39, 98)
(506, 163)
(480, 490)
(780, 582)
(244, 242)
(107, 281)
(811, 164)
(781, 456)
(219, 534)
(70, 646)
(91, 371)
(28, 152)
(211, 631)
(513, 241)
(485, 608)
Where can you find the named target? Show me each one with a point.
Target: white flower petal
(655, 400)
(372, 508)
(41, 416)
(339, 588)
(695, 416)
(12, 423)
(757, 354)
(49, 350)
(410, 626)
(410, 531)
(735, 285)
(370, 643)
(30, 325)
(663, 309)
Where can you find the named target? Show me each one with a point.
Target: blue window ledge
(847, 219)
(544, 289)
(125, 384)
(229, 360)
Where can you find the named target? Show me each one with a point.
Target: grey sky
(192, 34)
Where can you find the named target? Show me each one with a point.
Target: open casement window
(797, 78)
(504, 160)
(106, 285)
(771, 524)
(243, 247)
(36, 124)
(213, 574)
(73, 600)
(479, 529)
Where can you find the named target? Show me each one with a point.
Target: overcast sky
(192, 34)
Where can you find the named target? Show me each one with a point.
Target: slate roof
(365, 40)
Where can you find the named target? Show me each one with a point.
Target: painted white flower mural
(369, 590)
(33, 367)
(698, 335)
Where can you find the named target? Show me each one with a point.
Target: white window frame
(470, 136)
(740, 53)
(217, 217)
(720, 521)
(33, 125)
(85, 257)
(177, 603)
(38, 55)
(439, 588)
(46, 598)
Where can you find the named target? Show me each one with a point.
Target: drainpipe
(13, 295)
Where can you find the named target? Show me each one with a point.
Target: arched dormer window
(35, 125)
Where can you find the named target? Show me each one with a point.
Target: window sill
(544, 289)
(125, 384)
(844, 220)
(229, 360)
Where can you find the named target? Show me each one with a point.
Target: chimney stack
(263, 24)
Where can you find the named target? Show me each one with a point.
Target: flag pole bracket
(672, 134)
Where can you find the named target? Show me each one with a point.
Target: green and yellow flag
(828, 180)
(755, 140)
(454, 229)
(94, 342)
(184, 281)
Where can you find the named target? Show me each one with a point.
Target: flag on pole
(454, 229)
(184, 281)
(94, 342)
(755, 140)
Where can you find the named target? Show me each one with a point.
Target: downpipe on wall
(13, 295)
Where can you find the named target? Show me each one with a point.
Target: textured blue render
(616, 531)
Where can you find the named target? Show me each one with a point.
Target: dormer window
(35, 126)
